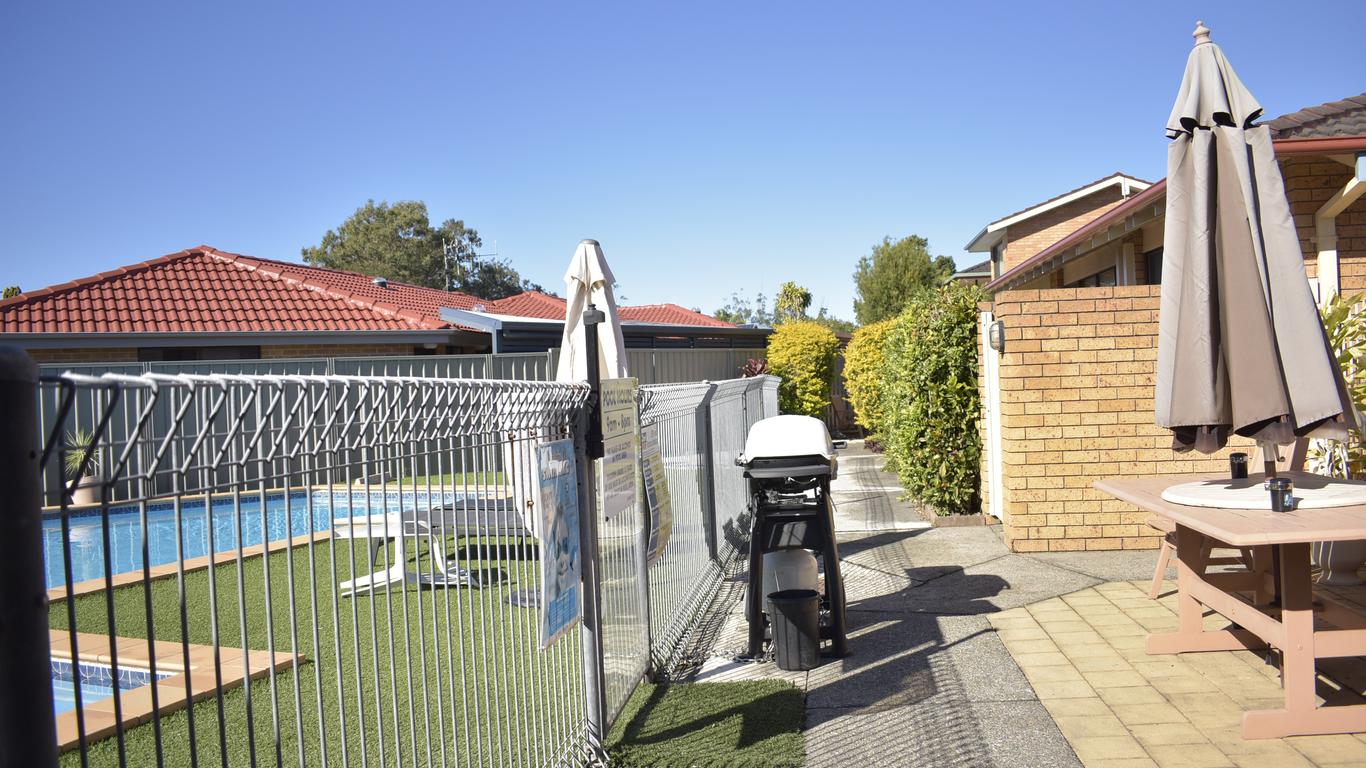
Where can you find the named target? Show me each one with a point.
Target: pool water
(97, 683)
(287, 514)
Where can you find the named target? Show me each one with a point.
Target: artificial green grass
(751, 723)
(501, 700)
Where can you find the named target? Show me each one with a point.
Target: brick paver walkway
(1084, 655)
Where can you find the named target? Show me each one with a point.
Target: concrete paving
(928, 680)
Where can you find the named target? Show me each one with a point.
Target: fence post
(708, 469)
(28, 729)
(590, 438)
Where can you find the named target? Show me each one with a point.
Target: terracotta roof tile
(206, 290)
(539, 305)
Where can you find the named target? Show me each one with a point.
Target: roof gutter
(226, 338)
(1326, 230)
(1324, 146)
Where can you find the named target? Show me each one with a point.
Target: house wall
(87, 355)
(1077, 406)
(130, 354)
(334, 350)
(1038, 232)
(1309, 182)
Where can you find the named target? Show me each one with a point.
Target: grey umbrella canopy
(1241, 349)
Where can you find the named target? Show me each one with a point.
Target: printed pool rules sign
(619, 448)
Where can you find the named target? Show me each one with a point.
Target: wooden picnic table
(1305, 627)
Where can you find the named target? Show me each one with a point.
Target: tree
(791, 303)
(11, 292)
(885, 280)
(836, 324)
(398, 242)
(740, 310)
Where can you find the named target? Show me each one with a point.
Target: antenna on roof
(452, 253)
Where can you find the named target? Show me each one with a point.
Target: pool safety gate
(387, 615)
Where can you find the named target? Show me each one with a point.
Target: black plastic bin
(796, 621)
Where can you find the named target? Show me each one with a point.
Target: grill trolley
(788, 464)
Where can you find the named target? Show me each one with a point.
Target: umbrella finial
(1201, 33)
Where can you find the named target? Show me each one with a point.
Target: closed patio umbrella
(589, 281)
(1241, 349)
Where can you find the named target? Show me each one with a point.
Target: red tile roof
(206, 290)
(540, 305)
(670, 314)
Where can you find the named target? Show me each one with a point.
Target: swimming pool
(287, 515)
(97, 683)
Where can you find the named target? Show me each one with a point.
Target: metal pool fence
(334, 570)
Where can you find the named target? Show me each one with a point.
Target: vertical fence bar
(28, 729)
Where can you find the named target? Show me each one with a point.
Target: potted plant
(84, 460)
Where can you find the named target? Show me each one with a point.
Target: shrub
(929, 398)
(803, 354)
(1344, 321)
(863, 361)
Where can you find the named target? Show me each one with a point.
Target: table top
(1240, 527)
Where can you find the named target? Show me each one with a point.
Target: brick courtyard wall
(1076, 382)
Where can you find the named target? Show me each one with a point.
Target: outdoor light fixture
(996, 335)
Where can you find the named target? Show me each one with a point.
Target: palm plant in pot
(83, 460)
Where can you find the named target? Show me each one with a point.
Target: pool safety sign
(656, 492)
(561, 566)
(619, 447)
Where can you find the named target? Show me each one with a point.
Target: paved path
(928, 680)
(1085, 655)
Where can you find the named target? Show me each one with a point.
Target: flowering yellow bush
(863, 360)
(803, 354)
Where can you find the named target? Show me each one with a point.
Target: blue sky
(710, 147)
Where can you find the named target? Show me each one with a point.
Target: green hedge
(863, 362)
(803, 354)
(929, 398)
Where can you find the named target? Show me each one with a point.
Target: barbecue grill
(788, 464)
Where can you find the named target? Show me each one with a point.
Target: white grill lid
(779, 437)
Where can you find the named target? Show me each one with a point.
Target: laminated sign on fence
(619, 421)
(656, 491)
(561, 567)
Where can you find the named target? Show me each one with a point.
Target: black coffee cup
(1282, 494)
(1237, 466)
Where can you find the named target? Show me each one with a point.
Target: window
(1153, 260)
(1102, 279)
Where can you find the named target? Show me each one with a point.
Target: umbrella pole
(1269, 458)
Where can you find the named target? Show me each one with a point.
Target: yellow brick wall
(1309, 182)
(1077, 406)
(1033, 235)
(116, 355)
